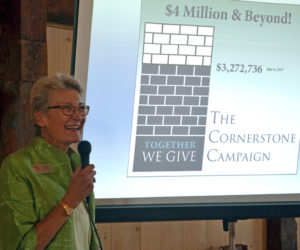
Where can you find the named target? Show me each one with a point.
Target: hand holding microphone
(82, 180)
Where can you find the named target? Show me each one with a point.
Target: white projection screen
(194, 107)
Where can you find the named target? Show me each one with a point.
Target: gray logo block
(168, 153)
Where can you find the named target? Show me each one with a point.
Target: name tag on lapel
(42, 168)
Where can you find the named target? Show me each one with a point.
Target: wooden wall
(177, 235)
(180, 235)
(59, 48)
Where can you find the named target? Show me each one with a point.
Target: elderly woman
(42, 185)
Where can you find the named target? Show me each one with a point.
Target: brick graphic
(173, 96)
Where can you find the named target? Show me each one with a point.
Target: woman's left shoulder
(18, 161)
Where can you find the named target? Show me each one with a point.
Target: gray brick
(172, 120)
(149, 68)
(201, 91)
(202, 120)
(164, 110)
(182, 110)
(156, 99)
(181, 90)
(191, 100)
(204, 101)
(174, 100)
(145, 79)
(189, 120)
(154, 120)
(202, 70)
(195, 81)
(168, 69)
(158, 80)
(147, 110)
(143, 99)
(185, 70)
(144, 130)
(197, 130)
(166, 90)
(180, 130)
(162, 130)
(141, 120)
(199, 110)
(175, 80)
(205, 81)
(148, 89)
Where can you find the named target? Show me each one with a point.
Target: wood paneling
(216, 236)
(250, 233)
(126, 236)
(59, 49)
(180, 235)
(195, 235)
(104, 231)
(52, 48)
(65, 50)
(151, 236)
(172, 235)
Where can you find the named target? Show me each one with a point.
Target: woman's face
(57, 128)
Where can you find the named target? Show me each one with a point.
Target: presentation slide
(194, 101)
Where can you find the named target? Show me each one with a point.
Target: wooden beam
(281, 234)
(23, 59)
(61, 11)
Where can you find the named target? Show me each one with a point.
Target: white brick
(160, 59)
(153, 27)
(188, 30)
(194, 60)
(176, 59)
(207, 61)
(208, 41)
(152, 48)
(179, 39)
(171, 29)
(209, 31)
(203, 51)
(196, 40)
(148, 38)
(187, 50)
(147, 58)
(169, 49)
(162, 38)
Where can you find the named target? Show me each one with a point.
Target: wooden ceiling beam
(61, 11)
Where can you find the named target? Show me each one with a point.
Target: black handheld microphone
(84, 149)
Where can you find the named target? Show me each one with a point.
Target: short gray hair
(43, 87)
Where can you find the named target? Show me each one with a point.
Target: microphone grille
(84, 148)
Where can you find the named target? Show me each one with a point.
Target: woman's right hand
(81, 185)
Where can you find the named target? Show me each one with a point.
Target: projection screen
(193, 104)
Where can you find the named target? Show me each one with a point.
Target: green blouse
(27, 195)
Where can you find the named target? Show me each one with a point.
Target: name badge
(42, 168)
